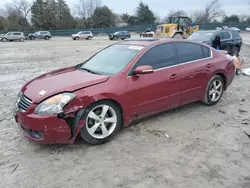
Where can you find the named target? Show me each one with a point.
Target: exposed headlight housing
(54, 105)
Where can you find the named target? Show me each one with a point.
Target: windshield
(112, 59)
(116, 33)
(201, 36)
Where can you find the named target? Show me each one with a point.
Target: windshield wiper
(90, 71)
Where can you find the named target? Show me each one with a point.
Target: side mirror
(145, 69)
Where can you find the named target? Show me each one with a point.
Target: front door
(159, 90)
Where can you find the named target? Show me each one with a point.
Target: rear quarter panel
(224, 66)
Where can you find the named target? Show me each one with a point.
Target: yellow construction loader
(179, 27)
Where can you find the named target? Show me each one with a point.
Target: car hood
(63, 80)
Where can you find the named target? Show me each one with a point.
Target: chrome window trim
(184, 63)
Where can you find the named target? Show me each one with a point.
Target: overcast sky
(162, 7)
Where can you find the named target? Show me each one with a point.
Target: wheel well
(117, 104)
(224, 79)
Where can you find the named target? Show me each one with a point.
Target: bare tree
(86, 8)
(175, 13)
(211, 11)
(18, 10)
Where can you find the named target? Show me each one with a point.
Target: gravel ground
(192, 146)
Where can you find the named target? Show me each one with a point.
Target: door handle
(173, 76)
(209, 65)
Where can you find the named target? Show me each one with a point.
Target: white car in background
(82, 35)
(235, 28)
(248, 29)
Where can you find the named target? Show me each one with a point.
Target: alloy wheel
(235, 51)
(215, 90)
(101, 121)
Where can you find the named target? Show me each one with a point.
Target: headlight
(54, 105)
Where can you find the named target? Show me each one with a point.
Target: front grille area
(23, 103)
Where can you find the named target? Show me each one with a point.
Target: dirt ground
(193, 146)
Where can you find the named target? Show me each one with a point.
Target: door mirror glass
(145, 69)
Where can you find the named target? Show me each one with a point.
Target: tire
(178, 36)
(46, 38)
(238, 71)
(115, 38)
(21, 40)
(235, 51)
(213, 95)
(4, 40)
(77, 38)
(96, 135)
(89, 37)
(32, 38)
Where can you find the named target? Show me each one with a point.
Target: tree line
(56, 14)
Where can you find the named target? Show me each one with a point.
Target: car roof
(147, 42)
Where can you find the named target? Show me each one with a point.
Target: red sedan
(123, 82)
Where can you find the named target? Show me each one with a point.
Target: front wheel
(214, 90)
(103, 121)
(4, 40)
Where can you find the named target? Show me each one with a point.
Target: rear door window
(17, 34)
(158, 57)
(206, 52)
(225, 35)
(235, 34)
(188, 52)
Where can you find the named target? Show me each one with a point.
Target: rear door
(82, 35)
(160, 90)
(196, 65)
(226, 40)
(16, 36)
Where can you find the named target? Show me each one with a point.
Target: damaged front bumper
(52, 129)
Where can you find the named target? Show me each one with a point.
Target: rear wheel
(89, 37)
(238, 71)
(214, 90)
(235, 51)
(103, 121)
(46, 38)
(21, 39)
(178, 36)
